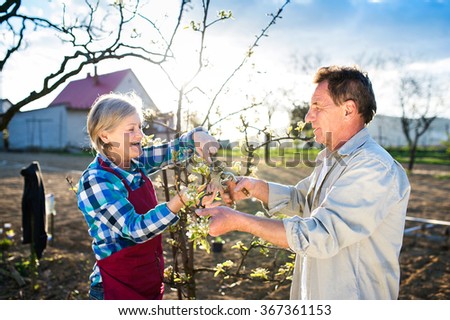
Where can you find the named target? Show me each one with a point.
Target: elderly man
(348, 215)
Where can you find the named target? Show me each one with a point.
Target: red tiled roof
(80, 94)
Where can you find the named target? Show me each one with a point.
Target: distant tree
(420, 94)
(419, 99)
(298, 113)
(304, 63)
(307, 62)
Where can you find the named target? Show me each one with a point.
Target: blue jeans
(96, 292)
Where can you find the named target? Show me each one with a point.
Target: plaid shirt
(102, 197)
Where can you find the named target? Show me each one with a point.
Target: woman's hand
(205, 145)
(182, 198)
(207, 200)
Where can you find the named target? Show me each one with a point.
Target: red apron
(136, 272)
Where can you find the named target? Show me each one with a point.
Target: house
(62, 125)
(5, 104)
(388, 132)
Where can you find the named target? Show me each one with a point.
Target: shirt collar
(355, 142)
(349, 147)
(132, 176)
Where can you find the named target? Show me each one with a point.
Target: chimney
(96, 81)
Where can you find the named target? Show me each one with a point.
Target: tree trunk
(412, 156)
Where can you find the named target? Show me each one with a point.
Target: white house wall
(131, 83)
(388, 132)
(39, 129)
(438, 132)
(4, 105)
(77, 136)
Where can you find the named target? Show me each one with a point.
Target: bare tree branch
(247, 56)
(89, 49)
(251, 106)
(9, 9)
(416, 101)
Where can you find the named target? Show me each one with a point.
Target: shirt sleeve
(102, 198)
(287, 199)
(353, 207)
(155, 157)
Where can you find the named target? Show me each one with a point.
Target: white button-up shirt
(349, 237)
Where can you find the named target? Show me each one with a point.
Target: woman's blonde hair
(108, 111)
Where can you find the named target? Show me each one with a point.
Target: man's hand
(222, 219)
(246, 187)
(225, 219)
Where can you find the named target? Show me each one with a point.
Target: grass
(280, 156)
(428, 155)
(445, 176)
(424, 155)
(424, 160)
(276, 157)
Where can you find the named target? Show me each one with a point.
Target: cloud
(440, 66)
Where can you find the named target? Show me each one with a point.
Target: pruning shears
(219, 177)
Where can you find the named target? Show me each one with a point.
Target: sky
(324, 32)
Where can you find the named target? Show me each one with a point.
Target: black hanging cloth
(33, 208)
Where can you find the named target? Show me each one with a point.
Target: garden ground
(67, 261)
